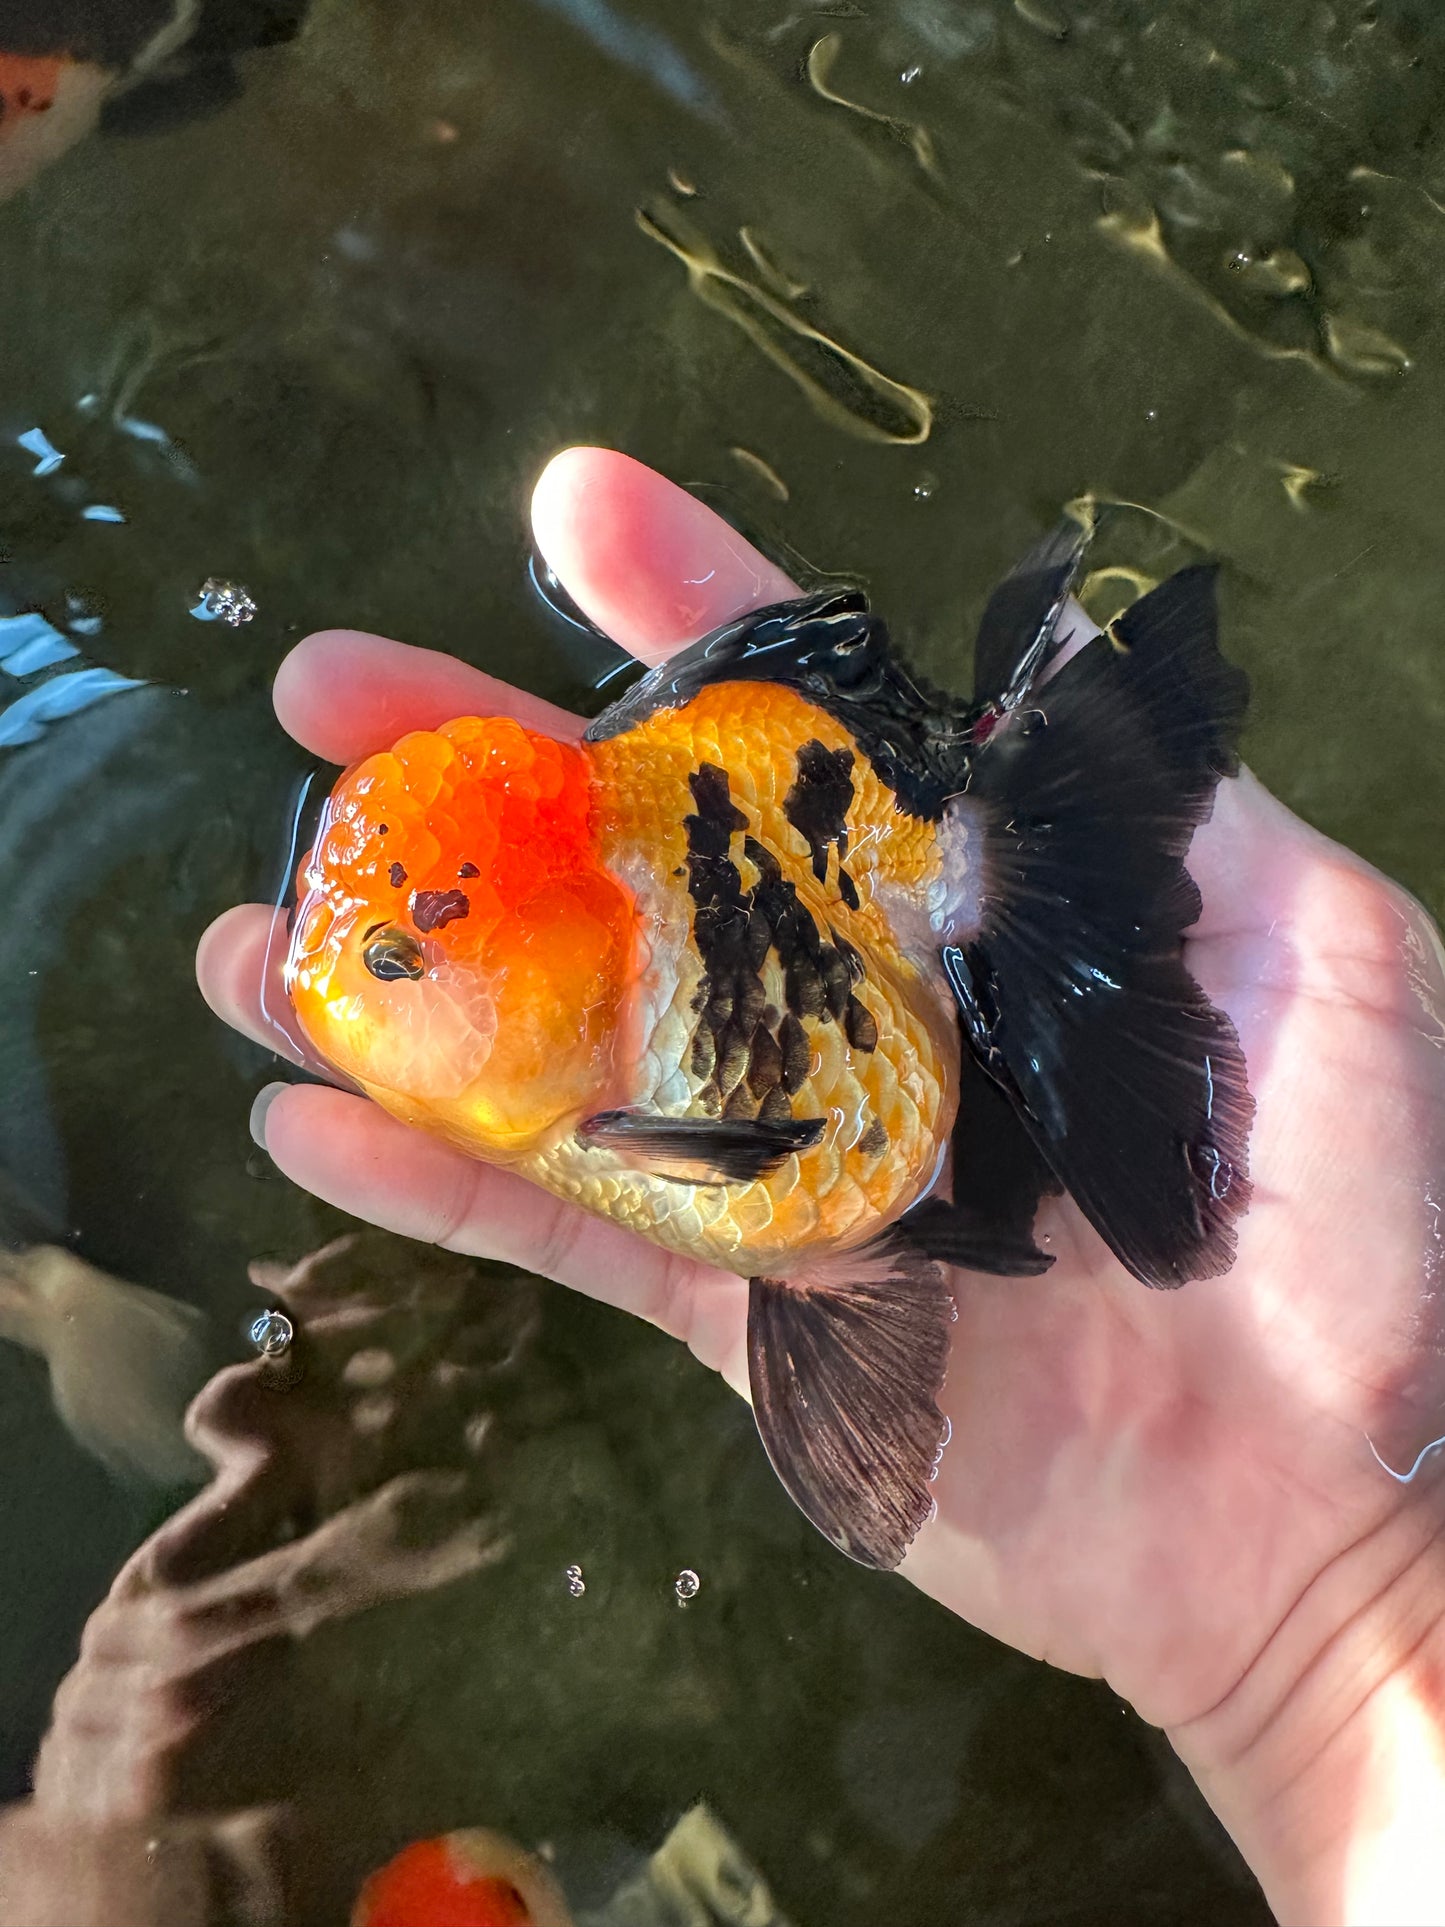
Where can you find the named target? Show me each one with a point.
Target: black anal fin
(846, 1366)
(1074, 991)
(999, 1176)
(701, 1150)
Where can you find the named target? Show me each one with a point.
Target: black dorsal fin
(1074, 991)
(846, 1366)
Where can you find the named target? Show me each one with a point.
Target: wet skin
(1177, 1491)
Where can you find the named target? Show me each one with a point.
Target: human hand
(1178, 1491)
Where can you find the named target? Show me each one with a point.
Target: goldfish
(124, 1361)
(131, 66)
(803, 968)
(471, 1878)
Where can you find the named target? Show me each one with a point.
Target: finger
(342, 694)
(651, 564)
(350, 1153)
(238, 968)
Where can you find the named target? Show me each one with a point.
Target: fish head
(457, 948)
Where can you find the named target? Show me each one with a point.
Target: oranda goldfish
(742, 966)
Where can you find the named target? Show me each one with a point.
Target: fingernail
(262, 1103)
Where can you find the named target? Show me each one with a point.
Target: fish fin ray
(846, 1364)
(701, 1150)
(1017, 627)
(1074, 991)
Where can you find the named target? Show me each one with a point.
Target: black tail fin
(1074, 991)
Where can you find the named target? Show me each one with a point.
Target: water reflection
(173, 1767)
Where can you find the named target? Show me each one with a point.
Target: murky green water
(886, 284)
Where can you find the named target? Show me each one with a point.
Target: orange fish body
(740, 967)
(565, 978)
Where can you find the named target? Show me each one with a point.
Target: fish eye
(389, 953)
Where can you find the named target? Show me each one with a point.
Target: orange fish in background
(27, 86)
(473, 1878)
(740, 968)
(129, 66)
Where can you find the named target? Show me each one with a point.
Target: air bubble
(272, 1333)
(576, 1584)
(220, 601)
(687, 1585)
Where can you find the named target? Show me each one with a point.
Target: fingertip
(561, 487)
(344, 694)
(647, 561)
(307, 666)
(238, 969)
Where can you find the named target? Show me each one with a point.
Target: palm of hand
(1139, 1484)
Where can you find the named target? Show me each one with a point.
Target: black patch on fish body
(861, 1025)
(817, 804)
(797, 1054)
(397, 875)
(817, 976)
(469, 870)
(746, 1051)
(434, 909)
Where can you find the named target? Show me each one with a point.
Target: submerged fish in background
(124, 1362)
(473, 1878)
(737, 970)
(133, 66)
(698, 1877)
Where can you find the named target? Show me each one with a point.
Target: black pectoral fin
(701, 1150)
(845, 1383)
(999, 1176)
(1018, 622)
(1074, 991)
